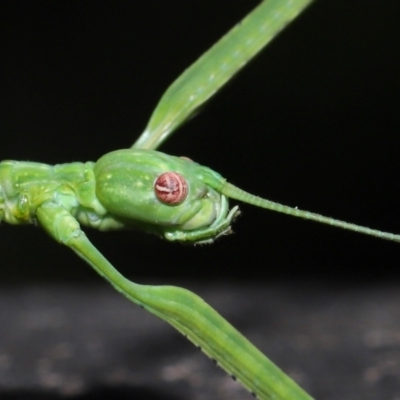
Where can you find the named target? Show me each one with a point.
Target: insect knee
(58, 222)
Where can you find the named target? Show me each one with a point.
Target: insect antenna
(236, 193)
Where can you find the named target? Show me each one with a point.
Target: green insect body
(117, 192)
(172, 197)
(25, 186)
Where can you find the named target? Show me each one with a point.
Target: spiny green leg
(217, 66)
(184, 310)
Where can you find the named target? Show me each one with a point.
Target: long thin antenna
(234, 192)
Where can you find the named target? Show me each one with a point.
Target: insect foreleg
(184, 310)
(216, 67)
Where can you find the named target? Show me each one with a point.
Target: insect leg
(184, 310)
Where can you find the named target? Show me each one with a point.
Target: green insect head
(170, 196)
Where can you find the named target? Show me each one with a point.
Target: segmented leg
(184, 310)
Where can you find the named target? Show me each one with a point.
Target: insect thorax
(25, 186)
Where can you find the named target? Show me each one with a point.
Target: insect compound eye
(171, 188)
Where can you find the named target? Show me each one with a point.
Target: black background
(313, 122)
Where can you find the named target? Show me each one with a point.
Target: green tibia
(216, 67)
(182, 309)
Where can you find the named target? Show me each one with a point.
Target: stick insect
(170, 196)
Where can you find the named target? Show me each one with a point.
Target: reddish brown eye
(171, 188)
